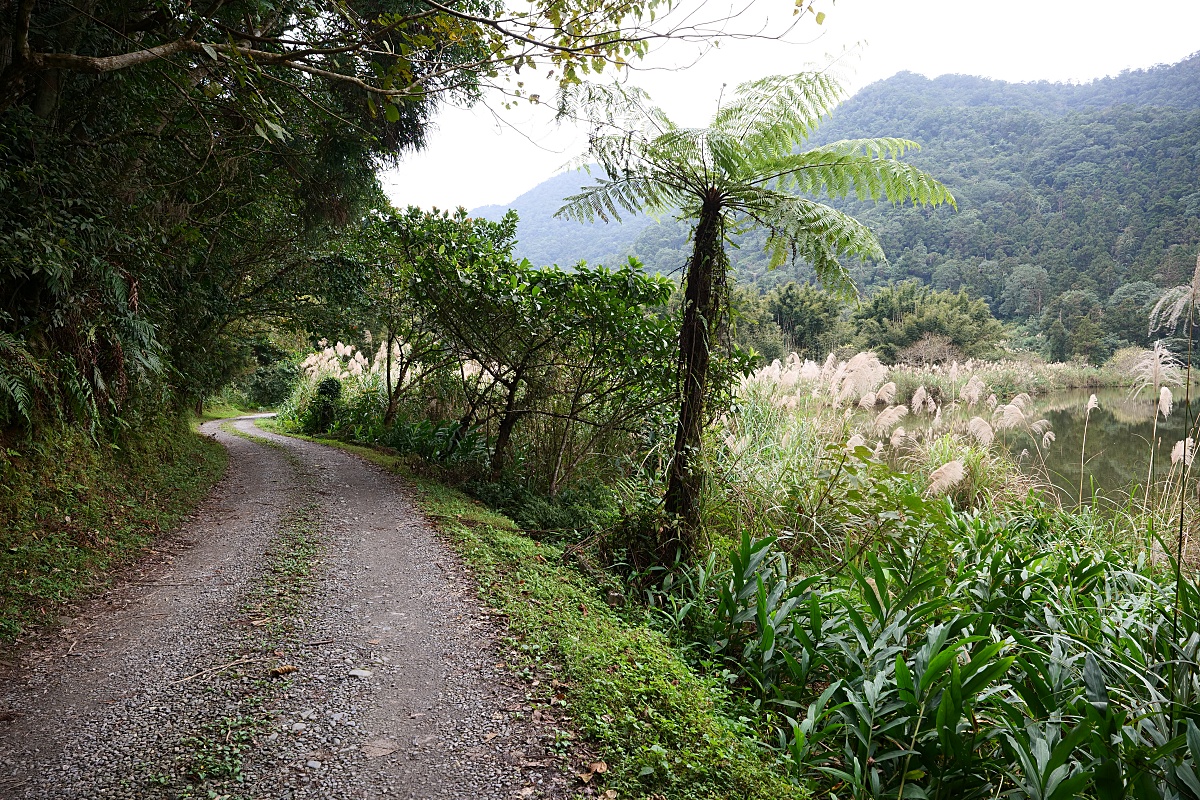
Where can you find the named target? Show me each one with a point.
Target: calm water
(1119, 435)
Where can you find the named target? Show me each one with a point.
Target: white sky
(475, 159)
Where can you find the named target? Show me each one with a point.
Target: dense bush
(960, 655)
(569, 513)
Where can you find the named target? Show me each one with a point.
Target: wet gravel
(393, 680)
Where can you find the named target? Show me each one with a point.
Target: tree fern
(746, 166)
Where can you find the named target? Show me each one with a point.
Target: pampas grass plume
(918, 399)
(1184, 453)
(1164, 402)
(981, 430)
(946, 477)
(888, 418)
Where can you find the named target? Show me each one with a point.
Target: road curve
(163, 688)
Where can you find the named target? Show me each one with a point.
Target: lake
(1119, 434)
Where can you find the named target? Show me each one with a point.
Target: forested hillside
(1077, 200)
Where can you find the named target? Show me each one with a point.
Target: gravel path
(306, 635)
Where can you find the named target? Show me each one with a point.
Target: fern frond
(804, 229)
(839, 174)
(775, 113)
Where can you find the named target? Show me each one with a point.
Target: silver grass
(867, 400)
(992, 402)
(1170, 307)
(1047, 439)
(981, 430)
(918, 399)
(1040, 427)
(861, 374)
(1164, 402)
(1154, 368)
(1183, 453)
(898, 436)
(828, 368)
(854, 442)
(1007, 417)
(946, 477)
(886, 393)
(972, 390)
(1092, 404)
(888, 418)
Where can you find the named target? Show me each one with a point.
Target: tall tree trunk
(393, 393)
(700, 311)
(507, 423)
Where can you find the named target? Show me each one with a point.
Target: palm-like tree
(747, 166)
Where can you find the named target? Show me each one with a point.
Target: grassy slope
(72, 511)
(657, 725)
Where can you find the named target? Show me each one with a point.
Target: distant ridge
(1004, 148)
(543, 239)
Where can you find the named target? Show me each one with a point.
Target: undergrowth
(72, 510)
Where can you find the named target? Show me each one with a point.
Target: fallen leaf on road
(598, 766)
(489, 736)
(380, 748)
(282, 669)
(610, 794)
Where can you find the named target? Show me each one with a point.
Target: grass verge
(659, 727)
(72, 510)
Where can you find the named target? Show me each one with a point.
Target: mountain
(1070, 194)
(543, 239)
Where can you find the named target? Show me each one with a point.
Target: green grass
(221, 410)
(660, 727)
(72, 511)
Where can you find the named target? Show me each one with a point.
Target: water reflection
(1119, 436)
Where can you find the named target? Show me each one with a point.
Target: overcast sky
(484, 155)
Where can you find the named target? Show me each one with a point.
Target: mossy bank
(72, 510)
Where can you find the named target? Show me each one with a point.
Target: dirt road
(179, 682)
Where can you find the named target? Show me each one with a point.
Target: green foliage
(959, 654)
(544, 370)
(899, 317)
(570, 514)
(807, 316)
(73, 512)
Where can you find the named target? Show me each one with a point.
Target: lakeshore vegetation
(778, 538)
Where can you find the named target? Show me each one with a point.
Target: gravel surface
(216, 668)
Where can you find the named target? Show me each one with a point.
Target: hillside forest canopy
(1077, 206)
